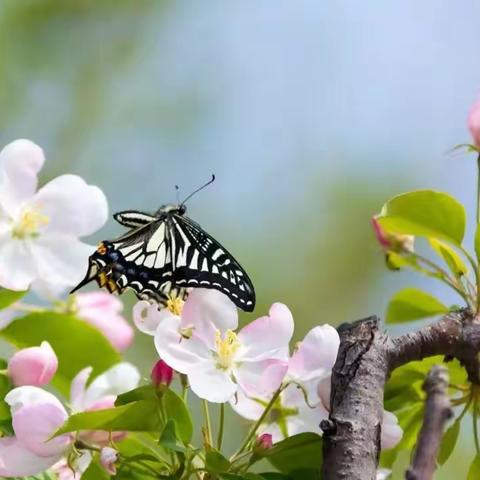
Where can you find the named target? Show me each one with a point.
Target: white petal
(324, 389)
(391, 431)
(261, 378)
(20, 162)
(316, 354)
(29, 396)
(206, 307)
(147, 316)
(72, 206)
(78, 389)
(211, 383)
(17, 266)
(269, 336)
(18, 461)
(60, 259)
(119, 379)
(180, 353)
(250, 408)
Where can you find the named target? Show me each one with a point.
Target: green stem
(221, 423)
(475, 424)
(478, 188)
(257, 424)
(208, 425)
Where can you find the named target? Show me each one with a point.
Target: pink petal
(78, 389)
(18, 461)
(33, 366)
(98, 301)
(211, 383)
(108, 457)
(72, 206)
(180, 353)
(206, 309)
(30, 396)
(316, 354)
(34, 425)
(473, 122)
(269, 336)
(20, 162)
(323, 390)
(261, 378)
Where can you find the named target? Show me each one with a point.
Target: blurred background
(311, 114)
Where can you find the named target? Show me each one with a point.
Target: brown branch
(365, 359)
(437, 412)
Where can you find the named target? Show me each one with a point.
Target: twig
(437, 412)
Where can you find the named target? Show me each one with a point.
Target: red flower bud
(162, 374)
(263, 442)
(473, 122)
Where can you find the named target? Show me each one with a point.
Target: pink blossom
(36, 415)
(103, 311)
(202, 344)
(162, 374)
(108, 457)
(33, 366)
(473, 121)
(263, 442)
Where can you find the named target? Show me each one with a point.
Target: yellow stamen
(226, 348)
(175, 305)
(31, 220)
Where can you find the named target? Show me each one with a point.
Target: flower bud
(473, 122)
(393, 242)
(33, 366)
(108, 457)
(263, 442)
(162, 375)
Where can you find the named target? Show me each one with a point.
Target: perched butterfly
(164, 254)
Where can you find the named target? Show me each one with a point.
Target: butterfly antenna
(177, 189)
(198, 189)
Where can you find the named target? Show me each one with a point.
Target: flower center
(226, 348)
(29, 223)
(175, 305)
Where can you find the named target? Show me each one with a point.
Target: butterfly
(164, 254)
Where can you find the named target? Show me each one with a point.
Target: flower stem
(475, 424)
(208, 425)
(257, 424)
(221, 423)
(478, 188)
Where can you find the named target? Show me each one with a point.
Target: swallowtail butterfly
(164, 254)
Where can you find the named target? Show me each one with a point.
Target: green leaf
(76, 343)
(474, 471)
(168, 437)
(95, 472)
(302, 451)
(449, 441)
(9, 297)
(425, 213)
(215, 462)
(174, 406)
(450, 256)
(5, 387)
(134, 417)
(412, 304)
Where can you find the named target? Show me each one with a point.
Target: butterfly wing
(200, 261)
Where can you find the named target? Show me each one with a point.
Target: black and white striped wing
(200, 261)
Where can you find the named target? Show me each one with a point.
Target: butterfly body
(167, 253)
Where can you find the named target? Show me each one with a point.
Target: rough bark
(437, 413)
(365, 359)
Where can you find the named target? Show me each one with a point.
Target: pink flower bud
(263, 442)
(394, 242)
(162, 374)
(380, 234)
(33, 366)
(108, 457)
(473, 121)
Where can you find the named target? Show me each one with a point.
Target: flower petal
(391, 433)
(268, 337)
(17, 267)
(261, 378)
(147, 316)
(210, 383)
(29, 396)
(119, 379)
(60, 259)
(35, 424)
(18, 461)
(78, 389)
(180, 353)
(247, 407)
(72, 206)
(316, 354)
(20, 162)
(205, 308)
